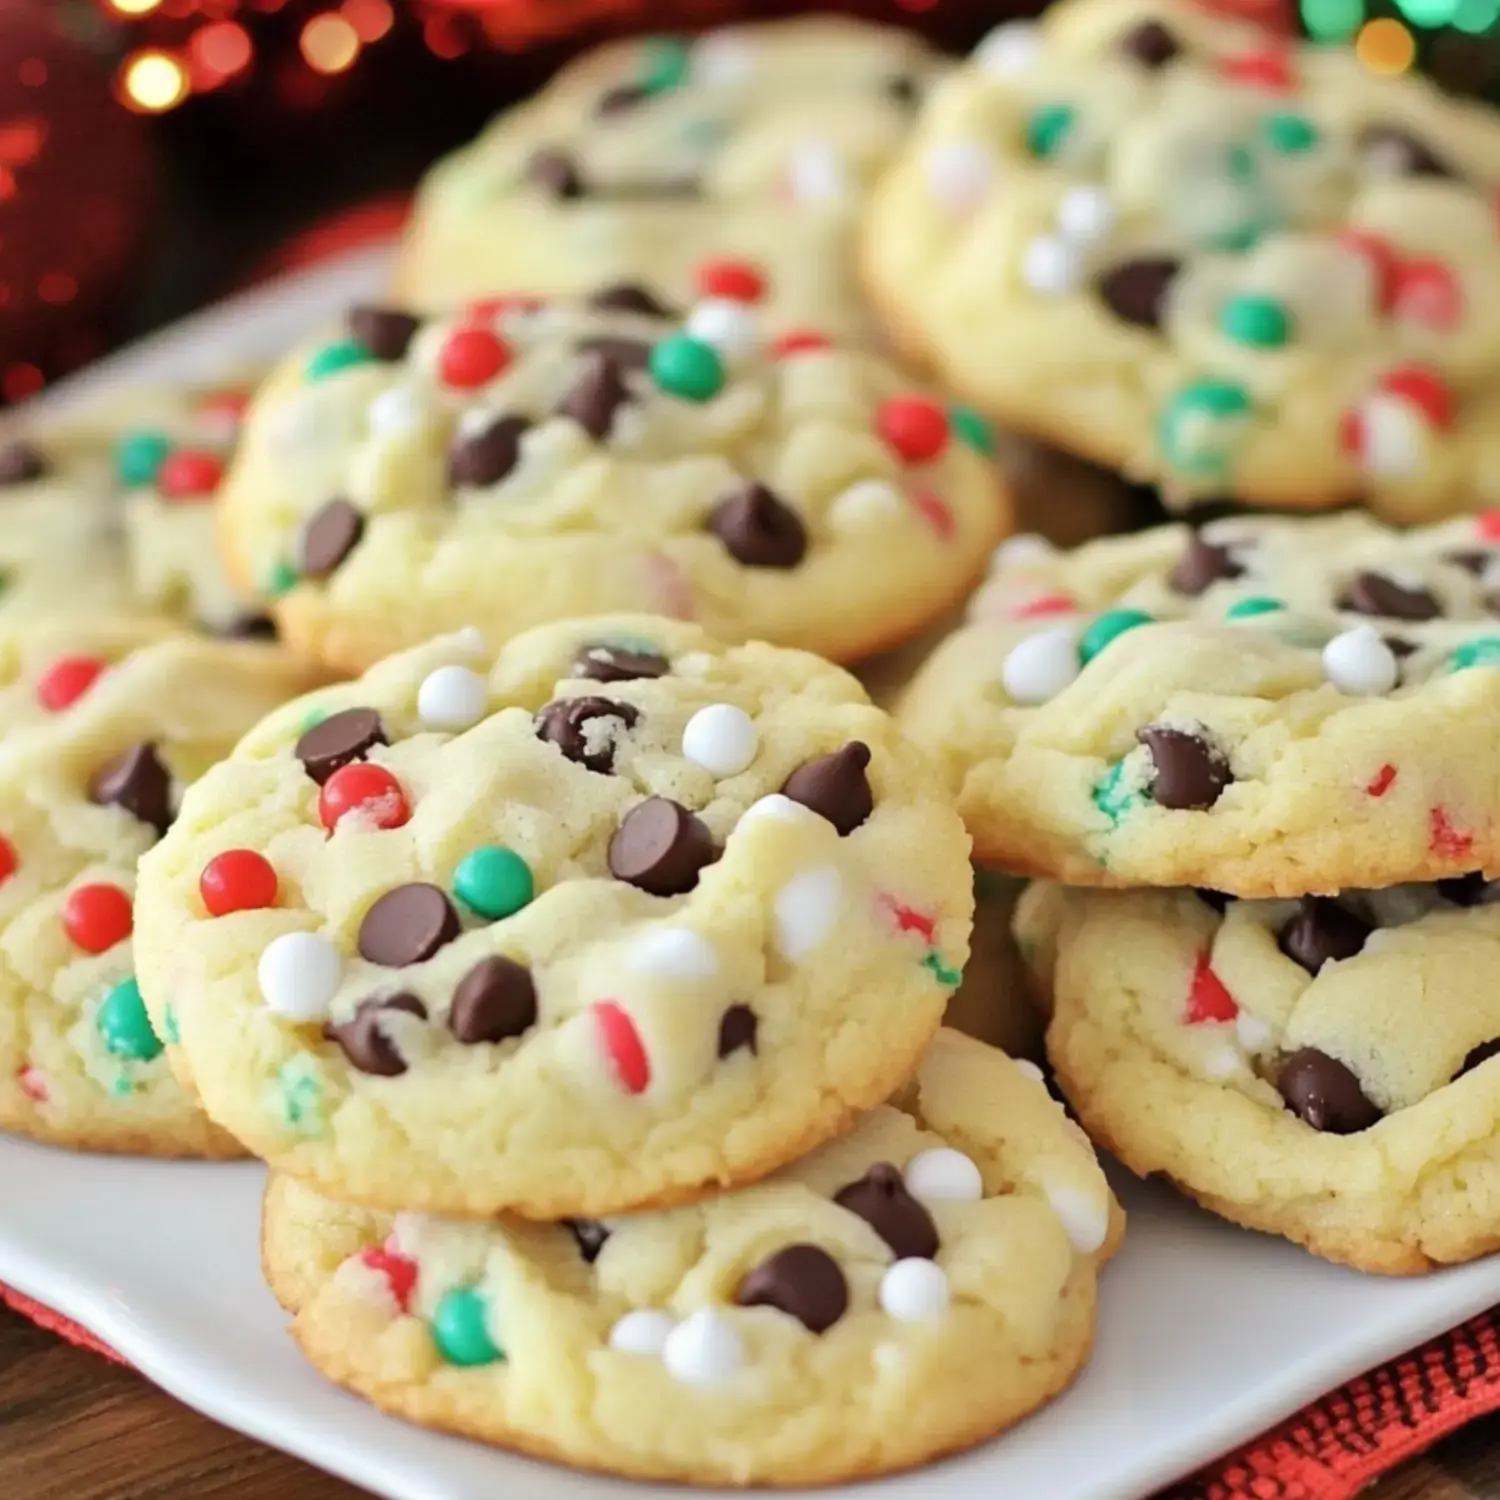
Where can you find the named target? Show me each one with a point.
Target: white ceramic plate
(1208, 1335)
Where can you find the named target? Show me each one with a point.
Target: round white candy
(816, 173)
(1051, 265)
(869, 502)
(1359, 662)
(914, 1290)
(452, 698)
(1024, 550)
(299, 974)
(775, 808)
(942, 1172)
(398, 410)
(1085, 214)
(1010, 48)
(703, 1349)
(1026, 1066)
(731, 327)
(807, 910)
(959, 172)
(1084, 1216)
(721, 738)
(675, 953)
(1393, 437)
(643, 1331)
(1041, 666)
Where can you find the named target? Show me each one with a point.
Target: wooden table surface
(75, 1427)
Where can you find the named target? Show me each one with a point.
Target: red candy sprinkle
(237, 880)
(799, 341)
(189, 474)
(908, 919)
(934, 512)
(1487, 525)
(96, 917)
(1044, 604)
(736, 280)
(1208, 1000)
(915, 428)
(66, 681)
(9, 859)
(1425, 389)
(622, 1042)
(399, 1271)
(1426, 292)
(229, 405)
(1382, 781)
(366, 789)
(486, 309)
(1261, 70)
(1444, 839)
(471, 357)
(32, 1084)
(1382, 259)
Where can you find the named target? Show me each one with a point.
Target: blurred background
(158, 154)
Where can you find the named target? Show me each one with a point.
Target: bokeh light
(153, 82)
(134, 7)
(1332, 20)
(1428, 13)
(1385, 46)
(330, 44)
(221, 48)
(1476, 16)
(371, 19)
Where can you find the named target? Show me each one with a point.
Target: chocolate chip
(801, 1281)
(1201, 565)
(881, 1200)
(1473, 889)
(835, 786)
(1472, 560)
(1150, 43)
(139, 782)
(758, 529)
(1398, 151)
(488, 455)
(20, 463)
(342, 737)
(627, 355)
(660, 847)
(572, 724)
(1323, 1092)
(249, 627)
(555, 172)
(494, 1001)
(1214, 900)
(629, 297)
(1399, 648)
(386, 332)
(1322, 932)
(589, 1235)
(597, 393)
(622, 97)
(1135, 291)
(1189, 774)
(407, 925)
(364, 1041)
(737, 1028)
(330, 535)
(904, 89)
(606, 663)
(1476, 1055)
(1376, 594)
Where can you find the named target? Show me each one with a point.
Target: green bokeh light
(1332, 20)
(1428, 13)
(1476, 16)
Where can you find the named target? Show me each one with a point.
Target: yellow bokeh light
(1385, 46)
(155, 82)
(330, 44)
(134, 7)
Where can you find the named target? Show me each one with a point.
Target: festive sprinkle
(1444, 839)
(1382, 781)
(1289, 134)
(951, 978)
(972, 430)
(471, 357)
(1045, 604)
(1484, 652)
(299, 974)
(909, 919)
(67, 680)
(494, 882)
(33, 1085)
(368, 790)
(139, 457)
(664, 64)
(800, 341)
(1048, 128)
(282, 579)
(1114, 797)
(96, 917)
(237, 880)
(1260, 322)
(1263, 70)
(1192, 426)
(1256, 604)
(399, 1272)
(934, 512)
(1040, 666)
(687, 368)
(124, 1025)
(1108, 627)
(9, 860)
(622, 1045)
(917, 429)
(460, 1329)
(301, 1096)
(332, 358)
(1208, 999)
(1487, 525)
(1427, 293)
(190, 474)
(735, 280)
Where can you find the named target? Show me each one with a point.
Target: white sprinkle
(475, 421)
(452, 698)
(674, 953)
(914, 1290)
(1041, 666)
(942, 1172)
(775, 808)
(299, 974)
(816, 174)
(1085, 214)
(1051, 265)
(1084, 1216)
(1252, 1031)
(959, 172)
(1024, 550)
(870, 502)
(807, 910)
(1393, 437)
(399, 410)
(731, 327)
(703, 1349)
(469, 640)
(1010, 48)
(1359, 662)
(721, 738)
(642, 1331)
(1030, 1070)
(719, 59)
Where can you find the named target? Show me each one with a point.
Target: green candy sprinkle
(301, 1096)
(934, 964)
(139, 456)
(1237, 240)
(1257, 604)
(171, 1031)
(1109, 625)
(687, 368)
(332, 358)
(972, 430)
(282, 579)
(1484, 652)
(664, 64)
(1048, 128)
(1289, 134)
(494, 882)
(1114, 797)
(1239, 162)
(1187, 426)
(312, 718)
(124, 1025)
(458, 1330)
(1261, 322)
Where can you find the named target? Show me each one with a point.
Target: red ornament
(189, 474)
(799, 341)
(622, 1042)
(96, 917)
(237, 880)
(66, 681)
(368, 790)
(1208, 1000)
(471, 357)
(917, 429)
(735, 280)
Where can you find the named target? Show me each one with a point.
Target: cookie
(1318, 1069)
(1267, 707)
(607, 920)
(732, 166)
(1224, 264)
(516, 465)
(103, 724)
(906, 1291)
